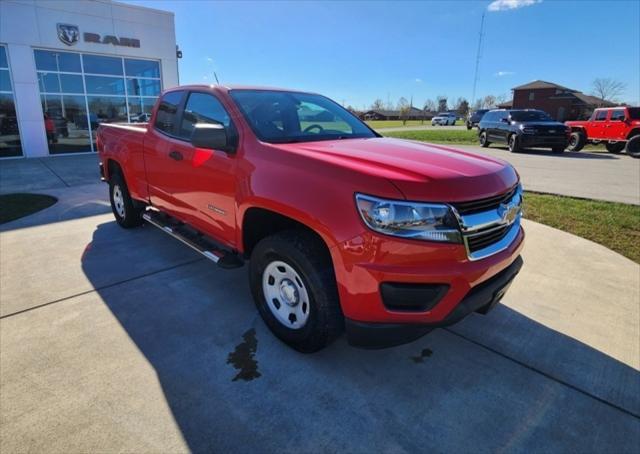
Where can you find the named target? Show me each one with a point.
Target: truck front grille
(481, 240)
(490, 203)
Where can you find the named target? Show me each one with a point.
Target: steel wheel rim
(118, 200)
(286, 295)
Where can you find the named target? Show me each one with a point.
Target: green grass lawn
(15, 206)
(460, 137)
(457, 136)
(613, 225)
(375, 124)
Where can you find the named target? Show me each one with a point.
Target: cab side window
(202, 108)
(617, 115)
(168, 112)
(601, 115)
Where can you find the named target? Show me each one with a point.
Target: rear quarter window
(167, 114)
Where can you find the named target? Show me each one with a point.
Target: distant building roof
(541, 84)
(593, 100)
(505, 105)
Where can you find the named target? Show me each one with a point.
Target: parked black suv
(523, 128)
(475, 117)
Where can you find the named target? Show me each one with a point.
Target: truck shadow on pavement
(499, 382)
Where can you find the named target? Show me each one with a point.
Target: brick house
(559, 102)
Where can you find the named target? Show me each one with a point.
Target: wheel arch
(634, 132)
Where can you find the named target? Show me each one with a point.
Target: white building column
(27, 101)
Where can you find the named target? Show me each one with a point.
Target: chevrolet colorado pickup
(343, 229)
(617, 127)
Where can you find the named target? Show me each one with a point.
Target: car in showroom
(617, 127)
(474, 118)
(522, 128)
(444, 119)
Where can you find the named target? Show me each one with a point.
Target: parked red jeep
(341, 227)
(618, 127)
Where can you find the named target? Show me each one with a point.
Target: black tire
(577, 141)
(614, 147)
(128, 213)
(633, 146)
(454, 123)
(484, 142)
(310, 259)
(469, 127)
(557, 150)
(514, 143)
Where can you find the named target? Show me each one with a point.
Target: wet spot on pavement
(420, 358)
(243, 357)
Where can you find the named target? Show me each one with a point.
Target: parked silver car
(444, 119)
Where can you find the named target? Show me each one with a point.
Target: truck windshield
(634, 113)
(531, 115)
(286, 117)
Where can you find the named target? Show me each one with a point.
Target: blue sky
(355, 52)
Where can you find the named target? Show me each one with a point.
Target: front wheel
(484, 142)
(294, 288)
(514, 143)
(127, 212)
(469, 127)
(633, 146)
(577, 141)
(615, 147)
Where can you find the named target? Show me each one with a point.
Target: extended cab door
(203, 181)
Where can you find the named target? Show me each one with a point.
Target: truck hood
(422, 172)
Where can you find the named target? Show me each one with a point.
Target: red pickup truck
(342, 228)
(618, 127)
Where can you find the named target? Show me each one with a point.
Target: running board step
(194, 239)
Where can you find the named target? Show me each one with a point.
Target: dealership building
(66, 66)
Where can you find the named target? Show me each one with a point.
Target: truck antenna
(475, 76)
(216, 76)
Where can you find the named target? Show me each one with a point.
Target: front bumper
(481, 298)
(527, 140)
(365, 263)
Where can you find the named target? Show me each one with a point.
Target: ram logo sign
(68, 33)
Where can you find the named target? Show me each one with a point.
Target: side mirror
(209, 135)
(505, 120)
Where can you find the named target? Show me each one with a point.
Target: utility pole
(475, 76)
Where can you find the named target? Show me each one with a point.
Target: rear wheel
(514, 143)
(577, 141)
(128, 213)
(633, 146)
(294, 288)
(469, 126)
(484, 142)
(615, 147)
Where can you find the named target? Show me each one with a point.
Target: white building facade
(68, 65)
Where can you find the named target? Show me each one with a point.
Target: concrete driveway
(600, 176)
(120, 340)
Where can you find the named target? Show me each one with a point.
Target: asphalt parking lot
(115, 340)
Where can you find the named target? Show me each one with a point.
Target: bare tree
(378, 104)
(442, 104)
(405, 108)
(429, 105)
(462, 107)
(489, 102)
(608, 89)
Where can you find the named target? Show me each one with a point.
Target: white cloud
(503, 5)
(418, 81)
(504, 73)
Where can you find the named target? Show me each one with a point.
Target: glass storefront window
(96, 64)
(143, 87)
(47, 60)
(104, 85)
(10, 144)
(73, 105)
(66, 123)
(142, 68)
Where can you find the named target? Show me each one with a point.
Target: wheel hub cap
(118, 200)
(285, 294)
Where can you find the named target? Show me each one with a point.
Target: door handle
(176, 155)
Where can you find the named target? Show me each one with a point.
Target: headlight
(421, 221)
